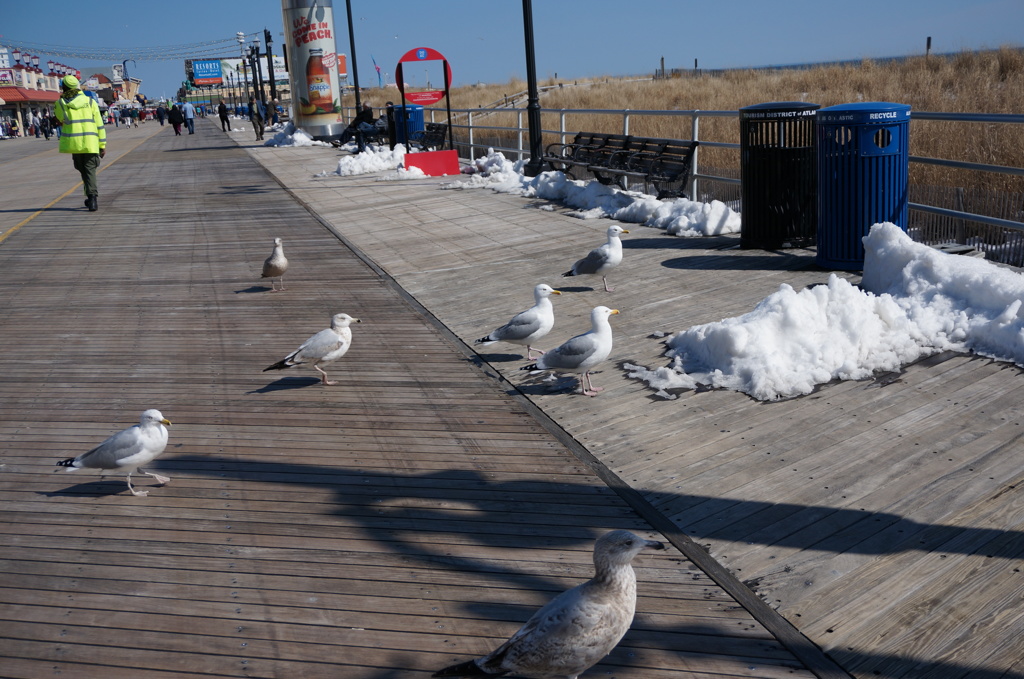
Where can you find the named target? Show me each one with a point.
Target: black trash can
(863, 171)
(779, 174)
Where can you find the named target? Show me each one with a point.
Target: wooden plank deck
(881, 518)
(412, 516)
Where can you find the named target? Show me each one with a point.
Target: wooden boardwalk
(881, 518)
(410, 517)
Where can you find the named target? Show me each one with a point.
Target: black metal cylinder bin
(779, 175)
(863, 171)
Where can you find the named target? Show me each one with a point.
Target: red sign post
(432, 163)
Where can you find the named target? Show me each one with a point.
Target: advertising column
(316, 96)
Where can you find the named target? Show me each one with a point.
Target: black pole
(259, 72)
(352, 44)
(270, 65)
(533, 167)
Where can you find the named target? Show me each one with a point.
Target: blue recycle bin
(408, 120)
(863, 168)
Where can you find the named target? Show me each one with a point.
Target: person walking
(258, 115)
(189, 111)
(83, 135)
(175, 118)
(161, 114)
(222, 111)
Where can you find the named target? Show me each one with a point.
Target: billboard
(316, 88)
(206, 72)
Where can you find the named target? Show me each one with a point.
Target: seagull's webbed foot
(157, 477)
(323, 377)
(136, 493)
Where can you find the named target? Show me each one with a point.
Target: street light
(270, 65)
(258, 68)
(240, 37)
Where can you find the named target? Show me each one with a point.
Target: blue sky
(483, 40)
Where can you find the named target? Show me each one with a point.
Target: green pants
(87, 164)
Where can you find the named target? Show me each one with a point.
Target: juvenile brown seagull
(127, 450)
(275, 265)
(575, 629)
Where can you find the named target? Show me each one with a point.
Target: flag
(380, 82)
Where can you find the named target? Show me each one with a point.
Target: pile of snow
(292, 136)
(914, 301)
(592, 200)
(373, 159)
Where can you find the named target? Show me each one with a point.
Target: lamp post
(258, 69)
(533, 167)
(270, 65)
(240, 37)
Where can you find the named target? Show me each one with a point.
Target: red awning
(16, 94)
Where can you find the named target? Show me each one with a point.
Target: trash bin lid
(778, 109)
(865, 113)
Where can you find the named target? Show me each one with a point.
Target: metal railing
(472, 124)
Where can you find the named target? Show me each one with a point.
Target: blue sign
(206, 72)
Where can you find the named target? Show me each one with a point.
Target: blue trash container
(407, 121)
(863, 164)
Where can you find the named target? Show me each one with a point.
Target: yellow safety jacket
(81, 124)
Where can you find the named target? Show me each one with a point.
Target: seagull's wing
(593, 262)
(520, 327)
(569, 355)
(111, 453)
(316, 347)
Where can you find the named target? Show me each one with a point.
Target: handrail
(696, 114)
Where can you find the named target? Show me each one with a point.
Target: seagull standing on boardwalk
(528, 326)
(327, 345)
(582, 352)
(576, 629)
(275, 265)
(127, 450)
(601, 260)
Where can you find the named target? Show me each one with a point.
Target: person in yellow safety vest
(82, 134)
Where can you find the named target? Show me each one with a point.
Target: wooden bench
(433, 136)
(665, 164)
(586, 149)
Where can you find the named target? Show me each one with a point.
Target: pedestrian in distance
(161, 114)
(175, 118)
(222, 111)
(189, 112)
(82, 135)
(258, 116)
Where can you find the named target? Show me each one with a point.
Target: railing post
(561, 126)
(472, 148)
(625, 122)
(519, 126)
(694, 136)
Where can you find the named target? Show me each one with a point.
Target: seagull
(601, 260)
(327, 345)
(528, 326)
(127, 450)
(275, 265)
(576, 629)
(582, 352)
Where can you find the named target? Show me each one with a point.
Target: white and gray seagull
(601, 260)
(327, 345)
(528, 326)
(127, 450)
(275, 265)
(582, 352)
(576, 629)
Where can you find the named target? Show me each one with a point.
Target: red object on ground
(434, 163)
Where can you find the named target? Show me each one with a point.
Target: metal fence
(991, 221)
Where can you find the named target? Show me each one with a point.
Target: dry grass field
(969, 82)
